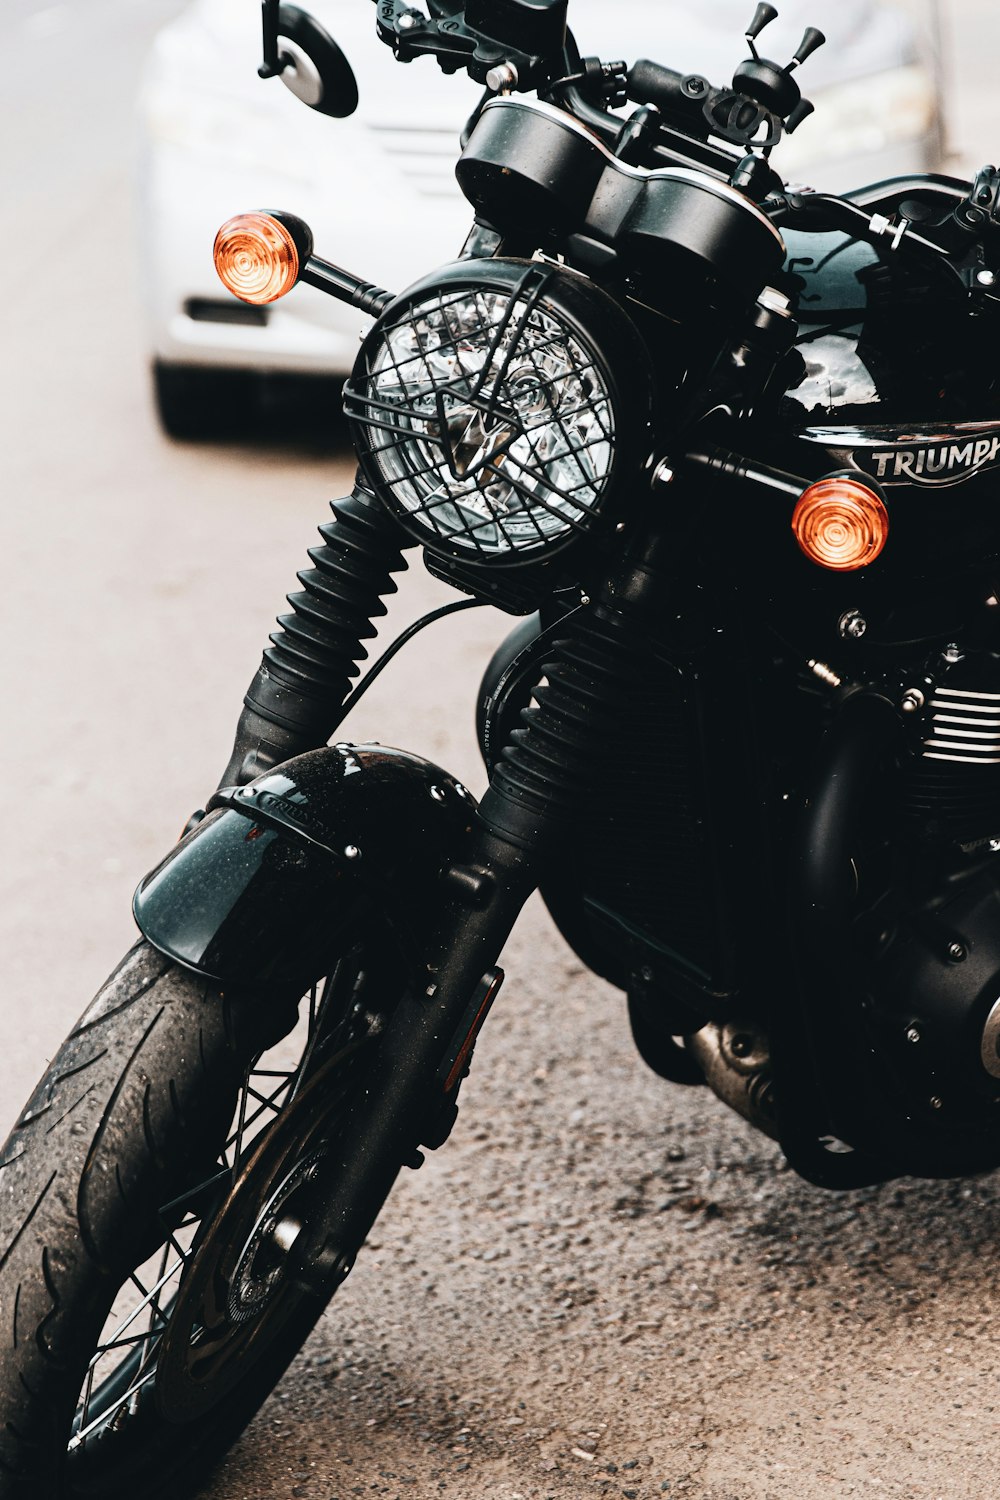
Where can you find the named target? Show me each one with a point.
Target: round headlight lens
(487, 417)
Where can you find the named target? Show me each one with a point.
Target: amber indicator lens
(256, 258)
(840, 524)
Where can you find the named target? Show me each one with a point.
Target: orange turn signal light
(840, 523)
(256, 258)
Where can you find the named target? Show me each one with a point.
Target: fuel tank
(900, 380)
(895, 375)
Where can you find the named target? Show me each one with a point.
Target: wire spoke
(252, 1119)
(267, 1100)
(172, 1270)
(99, 1421)
(194, 1193)
(127, 1343)
(155, 1310)
(241, 1121)
(88, 1391)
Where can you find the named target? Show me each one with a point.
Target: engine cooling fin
(951, 782)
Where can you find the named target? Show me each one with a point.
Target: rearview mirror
(308, 61)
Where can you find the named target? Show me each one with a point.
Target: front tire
(112, 1181)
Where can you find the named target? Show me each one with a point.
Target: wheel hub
(261, 1270)
(236, 1297)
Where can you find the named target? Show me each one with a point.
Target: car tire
(195, 401)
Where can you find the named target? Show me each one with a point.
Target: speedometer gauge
(490, 410)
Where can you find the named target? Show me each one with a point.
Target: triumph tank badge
(932, 464)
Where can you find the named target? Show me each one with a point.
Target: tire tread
(81, 1175)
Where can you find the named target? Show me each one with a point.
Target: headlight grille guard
(486, 413)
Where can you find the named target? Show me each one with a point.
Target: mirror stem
(272, 65)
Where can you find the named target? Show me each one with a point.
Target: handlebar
(674, 94)
(525, 44)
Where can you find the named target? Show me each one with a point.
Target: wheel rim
(289, 1100)
(237, 1295)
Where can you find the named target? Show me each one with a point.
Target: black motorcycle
(730, 451)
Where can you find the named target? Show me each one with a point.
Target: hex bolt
(994, 846)
(663, 473)
(351, 851)
(952, 652)
(852, 624)
(956, 952)
(646, 974)
(913, 1033)
(911, 700)
(936, 1101)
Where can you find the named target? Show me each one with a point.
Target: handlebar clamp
(479, 36)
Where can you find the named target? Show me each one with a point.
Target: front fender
(267, 889)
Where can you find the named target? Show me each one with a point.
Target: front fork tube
(543, 780)
(386, 1120)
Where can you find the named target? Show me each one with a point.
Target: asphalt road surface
(603, 1286)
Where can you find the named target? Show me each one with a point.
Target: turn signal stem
(261, 256)
(345, 287)
(840, 521)
(723, 464)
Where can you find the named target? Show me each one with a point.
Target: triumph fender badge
(932, 464)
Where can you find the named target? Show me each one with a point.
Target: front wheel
(150, 1195)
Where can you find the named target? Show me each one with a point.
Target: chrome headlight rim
(591, 332)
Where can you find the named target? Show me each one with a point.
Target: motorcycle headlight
(497, 405)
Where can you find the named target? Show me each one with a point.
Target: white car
(378, 188)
